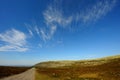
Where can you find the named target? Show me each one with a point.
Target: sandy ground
(27, 75)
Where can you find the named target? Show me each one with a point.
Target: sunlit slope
(107, 68)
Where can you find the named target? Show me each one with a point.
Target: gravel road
(27, 75)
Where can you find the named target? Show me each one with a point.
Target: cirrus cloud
(96, 11)
(54, 17)
(13, 40)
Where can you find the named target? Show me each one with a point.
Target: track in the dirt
(27, 75)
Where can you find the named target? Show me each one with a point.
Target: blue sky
(32, 31)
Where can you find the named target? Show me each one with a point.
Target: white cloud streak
(13, 40)
(37, 30)
(30, 32)
(95, 12)
(47, 34)
(29, 29)
(54, 17)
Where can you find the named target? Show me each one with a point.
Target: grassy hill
(107, 68)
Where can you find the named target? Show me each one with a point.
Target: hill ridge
(88, 62)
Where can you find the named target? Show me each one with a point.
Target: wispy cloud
(13, 40)
(47, 34)
(54, 17)
(30, 32)
(29, 28)
(96, 11)
(33, 29)
(37, 30)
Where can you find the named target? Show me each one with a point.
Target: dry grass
(40, 76)
(8, 71)
(100, 69)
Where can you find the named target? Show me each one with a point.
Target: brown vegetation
(27, 75)
(100, 69)
(8, 71)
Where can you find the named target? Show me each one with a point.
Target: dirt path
(27, 75)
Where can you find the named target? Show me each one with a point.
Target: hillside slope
(107, 68)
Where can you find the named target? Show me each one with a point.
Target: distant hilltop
(67, 63)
